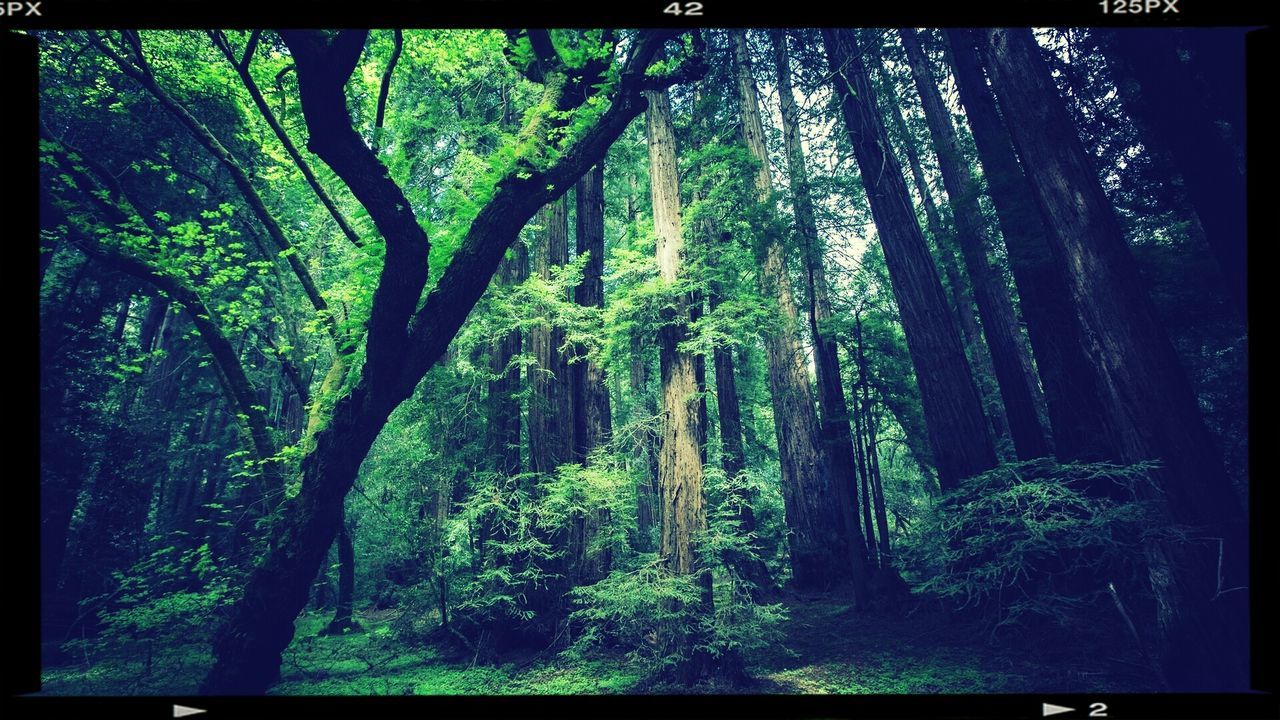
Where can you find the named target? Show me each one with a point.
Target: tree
(953, 412)
(818, 542)
(1201, 623)
(248, 647)
(680, 491)
(1071, 392)
(1014, 374)
(836, 437)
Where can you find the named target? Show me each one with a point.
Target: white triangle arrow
(183, 711)
(1050, 709)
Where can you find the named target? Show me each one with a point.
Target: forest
(528, 361)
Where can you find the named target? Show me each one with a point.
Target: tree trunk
(647, 487)
(733, 460)
(593, 424)
(1202, 618)
(819, 545)
(864, 477)
(592, 421)
(551, 431)
(836, 433)
(1017, 387)
(342, 621)
(1072, 394)
(550, 401)
(504, 407)
(679, 455)
(960, 296)
(952, 408)
(1179, 117)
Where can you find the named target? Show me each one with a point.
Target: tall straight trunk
(551, 433)
(1202, 618)
(592, 423)
(836, 434)
(647, 487)
(1072, 393)
(864, 477)
(733, 459)
(122, 316)
(960, 295)
(952, 408)
(342, 621)
(877, 484)
(819, 544)
(1009, 359)
(679, 455)
(1179, 117)
(504, 407)
(873, 446)
(550, 399)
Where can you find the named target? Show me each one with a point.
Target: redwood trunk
(1071, 389)
(592, 424)
(504, 407)
(960, 296)
(679, 454)
(342, 621)
(999, 324)
(1202, 623)
(837, 440)
(819, 545)
(952, 408)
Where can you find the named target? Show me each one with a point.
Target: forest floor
(828, 649)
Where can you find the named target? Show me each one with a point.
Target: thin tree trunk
(550, 402)
(960, 296)
(385, 88)
(504, 408)
(733, 460)
(551, 428)
(952, 408)
(647, 487)
(592, 420)
(342, 621)
(999, 324)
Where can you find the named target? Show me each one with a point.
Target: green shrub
(1033, 539)
(648, 611)
(165, 603)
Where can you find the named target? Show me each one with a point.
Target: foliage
(170, 599)
(1033, 538)
(647, 609)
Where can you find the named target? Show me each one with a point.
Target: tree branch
(324, 65)
(120, 212)
(385, 89)
(142, 74)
